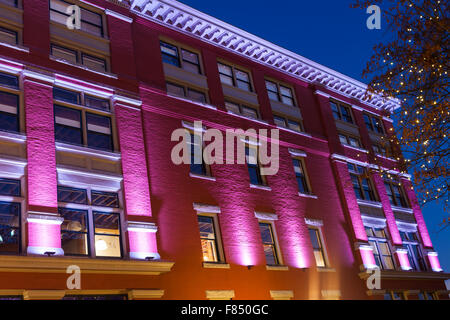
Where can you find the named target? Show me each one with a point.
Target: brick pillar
(36, 31)
(141, 229)
(263, 97)
(216, 96)
(363, 132)
(44, 233)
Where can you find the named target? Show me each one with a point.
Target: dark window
(99, 133)
(395, 193)
(64, 53)
(268, 241)
(272, 90)
(9, 227)
(74, 231)
(96, 103)
(251, 155)
(373, 123)
(13, 3)
(197, 165)
(226, 74)
(300, 176)
(91, 22)
(170, 54)
(104, 199)
(316, 242)
(66, 95)
(68, 125)
(8, 36)
(349, 140)
(94, 63)
(72, 195)
(286, 95)
(243, 80)
(10, 187)
(196, 95)
(9, 112)
(107, 234)
(208, 239)
(8, 80)
(341, 112)
(362, 184)
(175, 89)
(190, 61)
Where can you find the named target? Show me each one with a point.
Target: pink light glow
(143, 244)
(434, 261)
(403, 259)
(367, 257)
(44, 237)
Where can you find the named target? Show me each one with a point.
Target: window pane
(286, 91)
(64, 53)
(68, 125)
(335, 110)
(343, 139)
(354, 142)
(169, 54)
(226, 74)
(8, 80)
(369, 232)
(105, 199)
(232, 107)
(9, 118)
(268, 243)
(346, 114)
(8, 36)
(296, 126)
(9, 227)
(74, 237)
(315, 241)
(10, 2)
(249, 112)
(243, 80)
(269, 252)
(92, 29)
(196, 96)
(66, 95)
(208, 238)
(279, 121)
(94, 63)
(96, 103)
(107, 234)
(320, 261)
(367, 122)
(10, 187)
(99, 132)
(72, 195)
(190, 61)
(91, 22)
(175, 89)
(243, 85)
(377, 124)
(271, 87)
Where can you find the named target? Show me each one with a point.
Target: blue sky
(328, 32)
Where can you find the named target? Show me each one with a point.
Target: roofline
(185, 19)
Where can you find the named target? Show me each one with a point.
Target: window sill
(312, 196)
(200, 176)
(12, 137)
(384, 157)
(261, 187)
(277, 268)
(374, 204)
(216, 265)
(204, 105)
(60, 146)
(402, 209)
(248, 118)
(80, 66)
(355, 148)
(325, 269)
(296, 132)
(15, 47)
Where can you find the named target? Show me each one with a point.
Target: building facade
(89, 188)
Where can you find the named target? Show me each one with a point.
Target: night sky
(328, 32)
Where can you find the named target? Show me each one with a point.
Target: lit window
(107, 234)
(317, 245)
(208, 237)
(91, 22)
(362, 184)
(381, 250)
(269, 245)
(74, 231)
(341, 112)
(8, 36)
(234, 77)
(300, 175)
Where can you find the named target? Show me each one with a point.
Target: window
(381, 250)
(349, 140)
(12, 3)
(209, 238)
(395, 193)
(9, 81)
(280, 93)
(9, 112)
(77, 126)
(425, 295)
(242, 110)
(317, 245)
(91, 22)
(300, 175)
(381, 150)
(362, 185)
(234, 77)
(78, 57)
(288, 123)
(91, 220)
(268, 240)
(254, 170)
(198, 167)
(96, 297)
(411, 244)
(10, 216)
(189, 60)
(341, 112)
(373, 123)
(9, 36)
(394, 295)
(182, 91)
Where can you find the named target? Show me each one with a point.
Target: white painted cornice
(182, 18)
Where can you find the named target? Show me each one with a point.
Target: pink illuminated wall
(134, 166)
(42, 180)
(434, 261)
(44, 235)
(403, 259)
(390, 218)
(142, 244)
(367, 256)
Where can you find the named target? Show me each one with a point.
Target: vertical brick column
(141, 229)
(363, 132)
(36, 31)
(216, 96)
(263, 97)
(44, 233)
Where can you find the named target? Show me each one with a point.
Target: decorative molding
(297, 152)
(323, 94)
(281, 294)
(182, 18)
(70, 148)
(368, 203)
(206, 208)
(373, 222)
(10, 66)
(134, 294)
(87, 265)
(305, 195)
(80, 85)
(314, 222)
(331, 294)
(406, 226)
(216, 265)
(12, 137)
(111, 177)
(118, 16)
(201, 176)
(219, 294)
(43, 294)
(394, 274)
(402, 209)
(325, 269)
(142, 227)
(257, 186)
(265, 215)
(15, 47)
(127, 100)
(44, 218)
(356, 148)
(277, 268)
